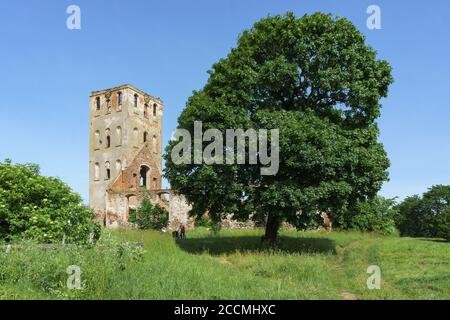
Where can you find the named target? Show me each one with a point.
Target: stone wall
(118, 134)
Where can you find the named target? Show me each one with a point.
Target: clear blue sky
(166, 47)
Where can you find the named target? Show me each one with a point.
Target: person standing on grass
(182, 232)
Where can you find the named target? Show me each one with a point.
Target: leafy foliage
(149, 216)
(315, 80)
(374, 215)
(444, 224)
(425, 216)
(203, 221)
(41, 208)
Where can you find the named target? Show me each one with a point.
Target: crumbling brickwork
(125, 156)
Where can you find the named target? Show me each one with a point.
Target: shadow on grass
(435, 240)
(227, 245)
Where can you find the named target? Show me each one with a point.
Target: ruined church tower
(125, 153)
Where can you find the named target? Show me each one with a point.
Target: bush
(409, 217)
(149, 216)
(374, 215)
(203, 221)
(41, 208)
(444, 224)
(425, 216)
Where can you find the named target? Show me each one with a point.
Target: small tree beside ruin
(149, 216)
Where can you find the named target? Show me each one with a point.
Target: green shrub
(426, 215)
(41, 208)
(203, 221)
(374, 215)
(149, 216)
(444, 224)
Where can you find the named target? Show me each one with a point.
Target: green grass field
(308, 265)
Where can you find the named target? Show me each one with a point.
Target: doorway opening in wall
(143, 176)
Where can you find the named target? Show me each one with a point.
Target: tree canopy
(427, 215)
(317, 82)
(41, 208)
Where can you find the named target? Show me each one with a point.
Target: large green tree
(317, 82)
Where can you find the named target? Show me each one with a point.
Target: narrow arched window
(118, 166)
(155, 143)
(119, 98)
(96, 171)
(143, 176)
(155, 107)
(135, 100)
(119, 135)
(97, 141)
(146, 110)
(97, 103)
(108, 138)
(108, 170)
(145, 136)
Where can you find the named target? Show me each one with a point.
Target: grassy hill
(308, 265)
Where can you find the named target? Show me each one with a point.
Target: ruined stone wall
(179, 209)
(118, 205)
(125, 124)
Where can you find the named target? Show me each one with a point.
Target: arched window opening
(146, 110)
(165, 197)
(97, 141)
(119, 135)
(108, 171)
(135, 100)
(145, 136)
(155, 107)
(97, 103)
(108, 138)
(143, 176)
(118, 166)
(154, 141)
(97, 171)
(119, 98)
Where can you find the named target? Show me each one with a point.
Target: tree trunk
(272, 226)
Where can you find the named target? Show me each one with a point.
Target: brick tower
(125, 153)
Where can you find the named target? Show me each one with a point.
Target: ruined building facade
(125, 156)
